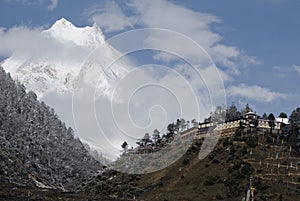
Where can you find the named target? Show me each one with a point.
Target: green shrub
(215, 161)
(208, 182)
(247, 169)
(243, 151)
(251, 141)
(219, 197)
(236, 166)
(227, 142)
(185, 161)
(211, 156)
(211, 180)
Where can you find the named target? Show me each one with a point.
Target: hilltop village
(248, 122)
(224, 122)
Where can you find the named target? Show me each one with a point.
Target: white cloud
(53, 4)
(16, 38)
(110, 17)
(166, 57)
(296, 68)
(33, 43)
(285, 71)
(254, 92)
(167, 15)
(278, 68)
(196, 25)
(29, 2)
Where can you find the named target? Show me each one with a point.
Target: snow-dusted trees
(125, 146)
(156, 136)
(32, 134)
(146, 139)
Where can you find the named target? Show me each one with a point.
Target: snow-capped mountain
(65, 31)
(57, 67)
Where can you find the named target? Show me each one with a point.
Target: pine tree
(282, 115)
(271, 119)
(232, 113)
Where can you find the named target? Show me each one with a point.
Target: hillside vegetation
(223, 175)
(36, 147)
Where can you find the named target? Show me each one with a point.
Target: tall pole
(251, 189)
(250, 181)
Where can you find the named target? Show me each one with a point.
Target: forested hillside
(36, 147)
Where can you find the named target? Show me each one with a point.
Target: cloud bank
(196, 25)
(254, 93)
(51, 6)
(296, 68)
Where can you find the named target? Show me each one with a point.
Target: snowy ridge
(47, 74)
(65, 31)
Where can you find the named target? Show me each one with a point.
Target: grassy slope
(209, 179)
(223, 175)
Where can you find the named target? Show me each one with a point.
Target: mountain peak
(47, 74)
(63, 22)
(65, 31)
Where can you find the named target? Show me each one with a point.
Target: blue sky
(263, 34)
